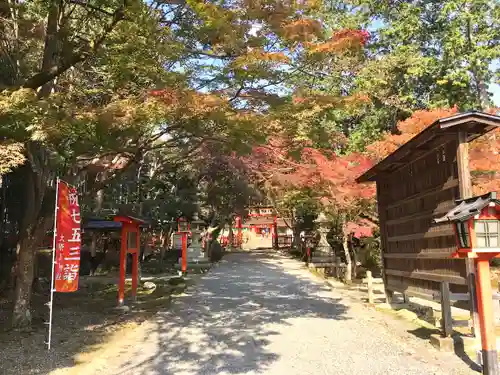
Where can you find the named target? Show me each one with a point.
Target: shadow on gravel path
(225, 323)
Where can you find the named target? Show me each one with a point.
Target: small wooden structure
(129, 228)
(130, 244)
(417, 183)
(477, 231)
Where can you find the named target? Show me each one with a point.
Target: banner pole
(50, 303)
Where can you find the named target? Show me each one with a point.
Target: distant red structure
(260, 218)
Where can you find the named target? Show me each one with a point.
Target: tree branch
(90, 6)
(78, 56)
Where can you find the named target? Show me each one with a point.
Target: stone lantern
(195, 251)
(323, 248)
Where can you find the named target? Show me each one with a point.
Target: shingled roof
(467, 208)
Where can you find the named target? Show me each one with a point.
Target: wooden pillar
(382, 212)
(123, 265)
(135, 267)
(465, 186)
(184, 252)
(446, 318)
(486, 317)
(239, 232)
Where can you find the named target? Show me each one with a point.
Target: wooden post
(135, 275)
(135, 267)
(184, 252)
(123, 266)
(370, 286)
(465, 186)
(446, 319)
(473, 301)
(487, 320)
(382, 213)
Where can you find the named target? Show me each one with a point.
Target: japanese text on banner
(68, 239)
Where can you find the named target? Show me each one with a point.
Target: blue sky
(495, 89)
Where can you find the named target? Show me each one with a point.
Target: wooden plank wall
(415, 251)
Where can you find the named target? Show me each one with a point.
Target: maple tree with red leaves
(484, 152)
(331, 176)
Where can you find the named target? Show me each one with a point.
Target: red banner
(67, 238)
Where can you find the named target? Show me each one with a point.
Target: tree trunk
(348, 269)
(354, 259)
(99, 199)
(163, 235)
(210, 237)
(230, 235)
(5, 263)
(345, 245)
(21, 316)
(35, 222)
(296, 234)
(51, 47)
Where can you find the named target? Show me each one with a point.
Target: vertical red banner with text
(68, 239)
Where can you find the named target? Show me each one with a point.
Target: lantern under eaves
(477, 225)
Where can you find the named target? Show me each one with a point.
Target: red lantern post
(239, 232)
(477, 230)
(184, 253)
(130, 244)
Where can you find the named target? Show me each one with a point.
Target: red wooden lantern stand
(130, 244)
(184, 252)
(183, 229)
(477, 230)
(239, 232)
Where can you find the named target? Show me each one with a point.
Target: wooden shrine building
(416, 184)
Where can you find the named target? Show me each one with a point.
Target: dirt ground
(83, 322)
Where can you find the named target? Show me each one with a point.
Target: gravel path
(266, 314)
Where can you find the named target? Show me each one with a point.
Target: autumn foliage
(484, 154)
(330, 175)
(408, 128)
(341, 40)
